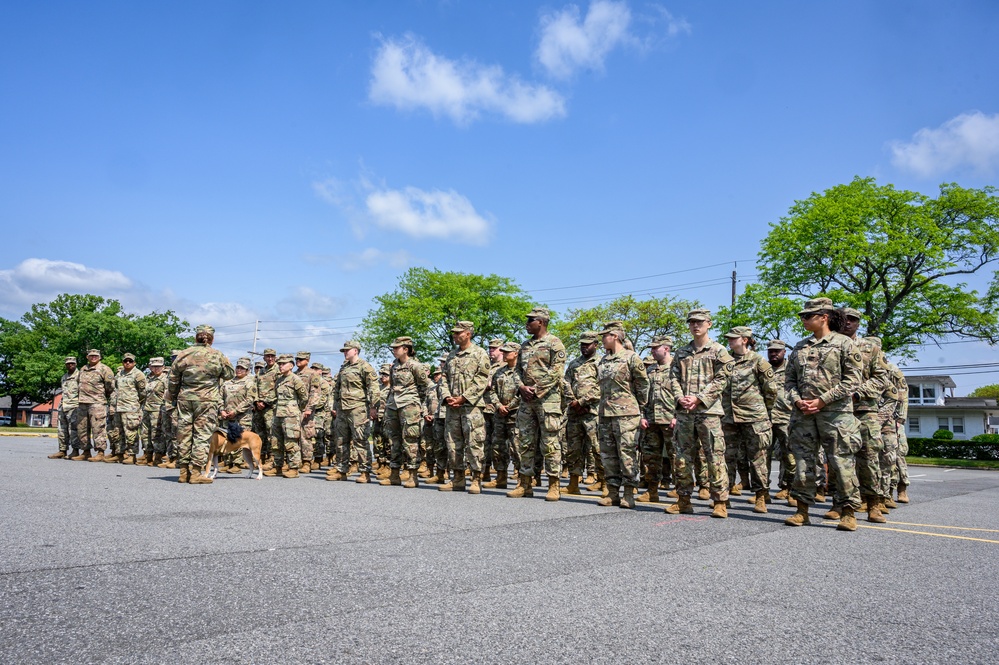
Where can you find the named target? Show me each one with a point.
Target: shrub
(943, 435)
(985, 438)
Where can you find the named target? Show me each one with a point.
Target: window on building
(914, 424)
(958, 425)
(943, 423)
(929, 394)
(914, 394)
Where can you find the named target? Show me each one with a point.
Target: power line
(633, 279)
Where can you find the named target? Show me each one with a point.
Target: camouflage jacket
(894, 402)
(198, 373)
(875, 377)
(751, 391)
(466, 374)
(488, 403)
(70, 390)
(325, 404)
(356, 386)
(624, 385)
(292, 395)
(702, 374)
(408, 383)
(661, 407)
(96, 384)
(541, 363)
(313, 384)
(780, 415)
(239, 395)
(829, 369)
(438, 390)
(505, 389)
(266, 391)
(156, 388)
(431, 405)
(131, 389)
(581, 379)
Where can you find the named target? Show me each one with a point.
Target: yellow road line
(923, 533)
(941, 526)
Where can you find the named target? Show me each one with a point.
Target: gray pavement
(106, 563)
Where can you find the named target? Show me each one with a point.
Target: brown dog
(249, 443)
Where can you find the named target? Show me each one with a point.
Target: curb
(34, 434)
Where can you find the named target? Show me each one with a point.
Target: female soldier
(409, 382)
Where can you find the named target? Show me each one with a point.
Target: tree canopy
(990, 391)
(427, 304)
(897, 256)
(643, 320)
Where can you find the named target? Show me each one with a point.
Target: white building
(930, 409)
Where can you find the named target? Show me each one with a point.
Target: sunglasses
(805, 317)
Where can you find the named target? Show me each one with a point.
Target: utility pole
(734, 280)
(255, 327)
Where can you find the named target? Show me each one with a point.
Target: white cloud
(41, 280)
(306, 301)
(968, 140)
(366, 258)
(408, 75)
(571, 42)
(434, 214)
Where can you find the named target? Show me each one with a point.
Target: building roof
(942, 379)
(959, 403)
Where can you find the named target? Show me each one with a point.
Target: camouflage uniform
(267, 395)
(131, 389)
(489, 408)
(96, 385)
(440, 423)
(581, 426)
(156, 389)
(408, 385)
(69, 438)
(505, 392)
(292, 397)
(624, 392)
(748, 400)
(195, 386)
(660, 410)
(892, 412)
(702, 373)
(865, 409)
(239, 395)
(381, 444)
(780, 417)
(355, 393)
(541, 364)
(313, 384)
(431, 405)
(466, 374)
(168, 418)
(322, 417)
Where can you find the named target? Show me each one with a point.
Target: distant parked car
(4, 421)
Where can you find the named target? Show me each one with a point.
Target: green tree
(989, 392)
(427, 303)
(643, 320)
(770, 317)
(897, 256)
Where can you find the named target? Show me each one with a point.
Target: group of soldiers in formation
(830, 413)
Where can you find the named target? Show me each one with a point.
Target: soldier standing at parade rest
(152, 406)
(583, 395)
(701, 370)
(440, 426)
(130, 386)
(96, 386)
(68, 438)
(506, 397)
(466, 375)
(822, 374)
(238, 397)
(195, 387)
(313, 384)
(409, 382)
(624, 391)
(659, 419)
(355, 400)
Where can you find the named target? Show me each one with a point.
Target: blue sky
(238, 161)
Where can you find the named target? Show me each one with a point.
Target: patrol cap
(285, 358)
(270, 352)
(204, 328)
(70, 359)
(540, 313)
(350, 344)
(816, 305)
(438, 370)
(589, 337)
(318, 365)
(402, 341)
(462, 326)
(699, 315)
(661, 340)
(260, 364)
(243, 362)
(509, 347)
(128, 356)
(93, 352)
(156, 362)
(385, 369)
(303, 355)
(442, 359)
(496, 343)
(849, 311)
(777, 344)
(612, 326)
(739, 331)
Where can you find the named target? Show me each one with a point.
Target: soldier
(466, 375)
(506, 397)
(195, 381)
(313, 384)
(583, 395)
(900, 474)
(780, 416)
(748, 400)
(168, 422)
(701, 370)
(489, 408)
(356, 400)
(238, 397)
(659, 419)
(96, 385)
(258, 367)
(381, 445)
(822, 374)
(130, 389)
(891, 413)
(440, 426)
(68, 437)
(540, 370)
(408, 385)
(431, 404)
(866, 400)
(291, 396)
(264, 408)
(152, 405)
(324, 434)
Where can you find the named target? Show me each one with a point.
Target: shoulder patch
(560, 355)
(730, 365)
(857, 357)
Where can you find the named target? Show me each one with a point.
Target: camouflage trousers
(487, 446)
(322, 424)
(900, 475)
(350, 432)
(700, 433)
(439, 457)
(781, 449)
(618, 436)
(504, 440)
(869, 455)
(68, 436)
(538, 425)
(748, 443)
(466, 438)
(836, 432)
(380, 441)
(128, 424)
(91, 426)
(308, 441)
(581, 440)
(262, 421)
(402, 427)
(287, 446)
(149, 433)
(168, 429)
(196, 422)
(888, 460)
(657, 454)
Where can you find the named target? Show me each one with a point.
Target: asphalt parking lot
(106, 563)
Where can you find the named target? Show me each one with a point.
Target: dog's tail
(234, 433)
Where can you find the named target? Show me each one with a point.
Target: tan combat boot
(403, 473)
(799, 518)
(353, 468)
(590, 479)
(456, 484)
(820, 497)
(761, 502)
(720, 510)
(113, 458)
(523, 488)
(305, 468)
(438, 478)
(334, 474)
(903, 495)
(128, 458)
(849, 521)
(185, 474)
(82, 457)
(649, 496)
(628, 501)
(704, 494)
(394, 478)
(364, 478)
(573, 486)
(554, 489)
(874, 513)
(736, 490)
(198, 478)
(612, 498)
(169, 463)
(833, 513)
(476, 486)
(672, 494)
(888, 503)
(414, 480)
(424, 470)
(791, 501)
(289, 473)
(145, 460)
(501, 480)
(781, 495)
(157, 460)
(275, 470)
(383, 472)
(58, 455)
(596, 486)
